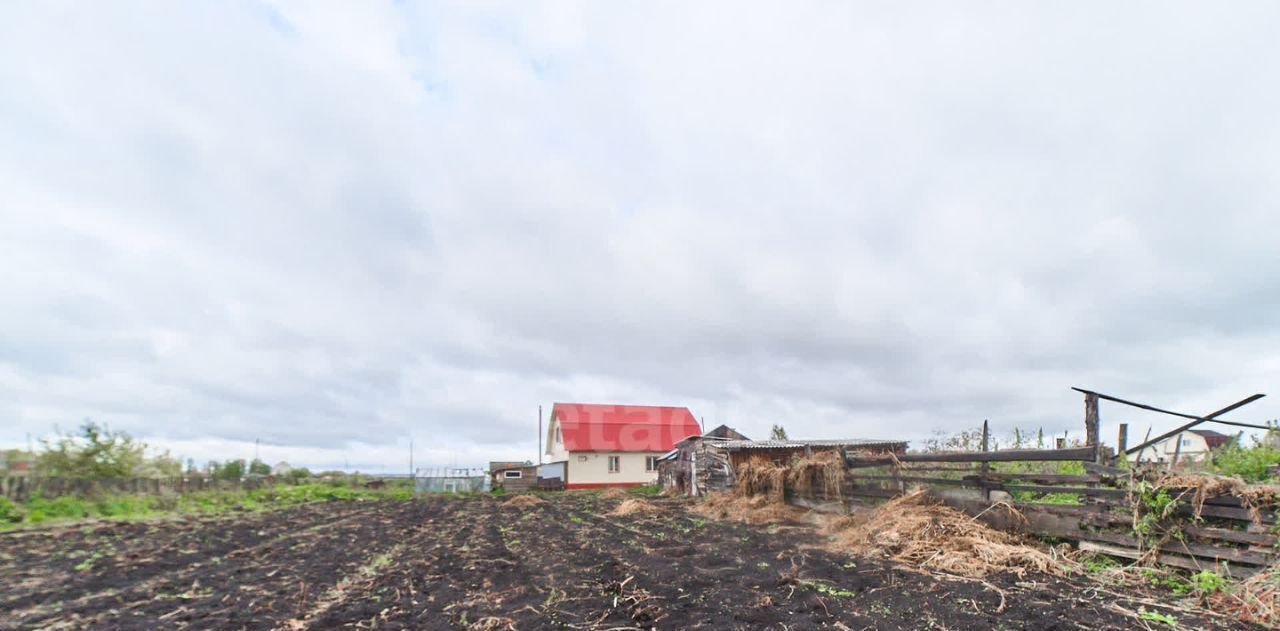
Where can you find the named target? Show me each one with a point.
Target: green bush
(9, 512)
(1250, 463)
(40, 509)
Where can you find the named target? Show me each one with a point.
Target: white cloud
(332, 227)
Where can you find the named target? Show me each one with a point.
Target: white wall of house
(593, 468)
(1194, 448)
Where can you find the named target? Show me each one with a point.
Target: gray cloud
(332, 229)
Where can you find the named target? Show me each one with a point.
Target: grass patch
(42, 510)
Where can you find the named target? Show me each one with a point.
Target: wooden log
(1091, 438)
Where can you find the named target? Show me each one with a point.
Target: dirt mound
(634, 506)
(521, 501)
(917, 529)
(751, 510)
(614, 493)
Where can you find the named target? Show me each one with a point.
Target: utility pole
(539, 434)
(255, 448)
(410, 457)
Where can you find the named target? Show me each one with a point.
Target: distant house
(281, 469)
(513, 475)
(1192, 445)
(614, 445)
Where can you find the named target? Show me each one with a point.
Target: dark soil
(449, 563)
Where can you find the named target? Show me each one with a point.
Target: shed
(696, 465)
(514, 476)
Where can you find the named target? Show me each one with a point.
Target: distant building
(614, 445)
(281, 469)
(1192, 445)
(697, 465)
(513, 475)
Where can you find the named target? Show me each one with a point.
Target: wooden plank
(1103, 469)
(1235, 571)
(1044, 488)
(1047, 478)
(1214, 553)
(1008, 455)
(1234, 536)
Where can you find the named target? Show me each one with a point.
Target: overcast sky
(333, 226)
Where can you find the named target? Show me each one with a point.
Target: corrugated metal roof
(735, 445)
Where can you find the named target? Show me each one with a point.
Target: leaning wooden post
(1091, 425)
(1123, 439)
(986, 466)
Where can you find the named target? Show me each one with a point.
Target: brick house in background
(614, 445)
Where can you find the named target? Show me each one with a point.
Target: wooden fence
(1101, 507)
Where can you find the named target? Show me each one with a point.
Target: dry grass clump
(614, 493)
(823, 471)
(750, 510)
(761, 477)
(634, 506)
(1256, 599)
(1255, 497)
(521, 501)
(917, 529)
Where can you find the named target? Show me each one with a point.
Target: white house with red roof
(614, 445)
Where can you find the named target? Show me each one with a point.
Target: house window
(650, 463)
(511, 473)
(558, 439)
(614, 464)
(1186, 442)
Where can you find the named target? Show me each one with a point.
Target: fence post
(986, 466)
(1091, 425)
(1123, 439)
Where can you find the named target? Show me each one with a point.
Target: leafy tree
(258, 467)
(95, 452)
(298, 474)
(778, 433)
(230, 470)
(162, 465)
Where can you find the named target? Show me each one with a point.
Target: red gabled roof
(588, 427)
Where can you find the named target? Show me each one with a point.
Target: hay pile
(761, 477)
(917, 529)
(750, 510)
(614, 493)
(1256, 599)
(522, 501)
(823, 472)
(634, 506)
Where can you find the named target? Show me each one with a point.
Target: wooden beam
(1008, 455)
(1208, 417)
